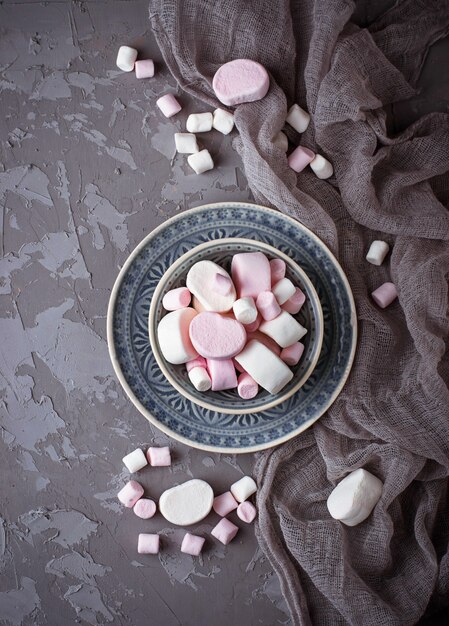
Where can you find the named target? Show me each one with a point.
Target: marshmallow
(354, 497)
(159, 457)
(243, 488)
(292, 354)
(148, 544)
(238, 367)
(246, 512)
(200, 162)
(224, 531)
(223, 121)
(247, 387)
(144, 508)
(264, 366)
(267, 305)
(321, 167)
(187, 503)
(186, 143)
(240, 81)
(173, 336)
(283, 290)
(267, 341)
(224, 504)
(251, 273)
(222, 284)
(216, 337)
(130, 493)
(200, 379)
(298, 118)
(222, 374)
(277, 269)
(198, 362)
(144, 68)
(199, 308)
(294, 303)
(199, 122)
(300, 158)
(199, 281)
(377, 252)
(176, 299)
(385, 295)
(284, 329)
(250, 328)
(126, 58)
(245, 310)
(168, 105)
(135, 460)
(281, 141)
(192, 544)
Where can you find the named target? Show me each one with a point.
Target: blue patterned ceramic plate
(140, 374)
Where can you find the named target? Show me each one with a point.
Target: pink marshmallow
(222, 374)
(192, 544)
(221, 284)
(144, 68)
(278, 268)
(225, 531)
(250, 328)
(251, 274)
(148, 544)
(215, 336)
(292, 354)
(159, 457)
(294, 303)
(247, 512)
(130, 493)
(238, 367)
(198, 362)
(145, 508)
(224, 504)
(240, 81)
(176, 299)
(384, 295)
(300, 158)
(267, 341)
(267, 305)
(168, 105)
(247, 387)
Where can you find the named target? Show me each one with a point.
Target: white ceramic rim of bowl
(144, 411)
(207, 403)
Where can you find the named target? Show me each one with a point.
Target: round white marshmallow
(135, 460)
(284, 329)
(173, 336)
(223, 121)
(199, 122)
(264, 366)
(200, 379)
(321, 167)
(243, 488)
(354, 497)
(126, 58)
(201, 161)
(186, 143)
(187, 503)
(377, 252)
(298, 118)
(245, 310)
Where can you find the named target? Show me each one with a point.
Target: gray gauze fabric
(392, 417)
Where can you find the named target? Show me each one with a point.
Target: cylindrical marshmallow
(264, 366)
(201, 161)
(247, 387)
(298, 118)
(145, 508)
(354, 497)
(251, 273)
(144, 68)
(251, 328)
(377, 252)
(148, 544)
(192, 544)
(278, 268)
(135, 460)
(176, 299)
(222, 284)
(130, 493)
(292, 354)
(198, 362)
(224, 531)
(281, 141)
(267, 305)
(223, 121)
(173, 336)
(186, 143)
(199, 122)
(300, 158)
(200, 280)
(241, 80)
(243, 488)
(168, 105)
(385, 295)
(245, 310)
(294, 303)
(222, 374)
(283, 290)
(159, 457)
(284, 329)
(238, 367)
(246, 512)
(321, 167)
(126, 58)
(224, 504)
(200, 379)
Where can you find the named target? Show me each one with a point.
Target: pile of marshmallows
(185, 504)
(243, 323)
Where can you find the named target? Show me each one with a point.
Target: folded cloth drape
(393, 415)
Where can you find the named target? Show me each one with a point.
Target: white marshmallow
(200, 162)
(298, 118)
(284, 329)
(173, 336)
(223, 121)
(187, 503)
(377, 252)
(354, 497)
(186, 143)
(135, 460)
(243, 488)
(199, 122)
(200, 379)
(199, 282)
(283, 290)
(264, 366)
(126, 58)
(321, 167)
(245, 310)
(281, 141)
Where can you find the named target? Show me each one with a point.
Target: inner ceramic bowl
(310, 316)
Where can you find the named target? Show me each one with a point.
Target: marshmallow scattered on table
(168, 105)
(292, 354)
(284, 329)
(173, 336)
(199, 122)
(126, 58)
(384, 295)
(216, 337)
(148, 544)
(176, 299)
(159, 457)
(187, 503)
(243, 488)
(224, 504)
(245, 310)
(264, 366)
(135, 460)
(241, 80)
(247, 387)
(223, 121)
(267, 305)
(321, 167)
(200, 280)
(278, 268)
(144, 508)
(186, 143)
(300, 158)
(246, 512)
(222, 374)
(192, 544)
(222, 284)
(377, 252)
(353, 499)
(201, 161)
(251, 273)
(281, 141)
(294, 303)
(144, 68)
(298, 118)
(130, 493)
(225, 531)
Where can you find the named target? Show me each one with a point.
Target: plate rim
(144, 411)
